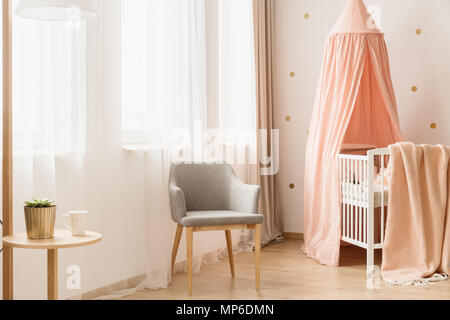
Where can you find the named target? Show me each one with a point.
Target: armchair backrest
(205, 186)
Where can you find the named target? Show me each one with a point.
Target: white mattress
(377, 196)
(359, 193)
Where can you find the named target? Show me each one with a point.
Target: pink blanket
(417, 243)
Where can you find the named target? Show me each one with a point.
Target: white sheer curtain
(48, 128)
(49, 86)
(48, 110)
(164, 94)
(48, 107)
(236, 86)
(163, 69)
(75, 110)
(237, 93)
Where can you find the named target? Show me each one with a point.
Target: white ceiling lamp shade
(55, 10)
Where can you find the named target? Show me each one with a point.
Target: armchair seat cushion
(221, 217)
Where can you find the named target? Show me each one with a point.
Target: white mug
(75, 221)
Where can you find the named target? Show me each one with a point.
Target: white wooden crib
(364, 200)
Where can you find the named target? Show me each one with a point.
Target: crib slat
(344, 179)
(356, 197)
(365, 199)
(382, 200)
(348, 192)
(340, 188)
(341, 171)
(359, 207)
(347, 179)
(352, 170)
(345, 195)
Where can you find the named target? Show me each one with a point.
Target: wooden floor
(287, 274)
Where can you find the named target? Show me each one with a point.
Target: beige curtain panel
(263, 11)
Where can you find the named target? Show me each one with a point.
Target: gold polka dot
(418, 32)
(292, 74)
(307, 15)
(288, 118)
(414, 89)
(292, 186)
(433, 125)
(307, 132)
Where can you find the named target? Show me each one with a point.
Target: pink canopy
(355, 104)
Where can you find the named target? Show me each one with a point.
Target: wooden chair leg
(176, 244)
(189, 245)
(230, 251)
(257, 255)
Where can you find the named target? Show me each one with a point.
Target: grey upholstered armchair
(209, 197)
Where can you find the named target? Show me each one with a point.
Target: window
(163, 69)
(237, 93)
(170, 81)
(48, 86)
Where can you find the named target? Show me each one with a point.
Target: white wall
(416, 60)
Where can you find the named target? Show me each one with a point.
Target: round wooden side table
(63, 239)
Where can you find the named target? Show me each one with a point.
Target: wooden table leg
(8, 273)
(52, 274)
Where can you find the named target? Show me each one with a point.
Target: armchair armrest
(177, 203)
(244, 197)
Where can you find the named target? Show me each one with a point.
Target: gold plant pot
(40, 222)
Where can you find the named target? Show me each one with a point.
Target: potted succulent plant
(40, 215)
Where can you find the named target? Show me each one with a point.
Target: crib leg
(370, 261)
